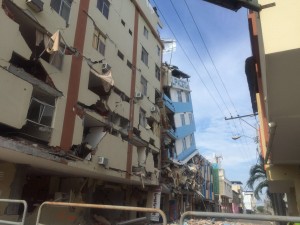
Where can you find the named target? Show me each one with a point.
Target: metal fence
(239, 216)
(15, 202)
(112, 207)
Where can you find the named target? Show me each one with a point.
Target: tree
(258, 181)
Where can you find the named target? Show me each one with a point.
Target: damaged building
(80, 88)
(186, 176)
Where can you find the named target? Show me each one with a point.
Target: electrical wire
(202, 64)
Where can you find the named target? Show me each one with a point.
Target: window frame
(144, 85)
(191, 118)
(179, 95)
(142, 117)
(184, 145)
(59, 10)
(182, 118)
(41, 112)
(101, 6)
(146, 32)
(157, 72)
(99, 42)
(144, 56)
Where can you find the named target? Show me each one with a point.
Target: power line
(186, 55)
(247, 152)
(201, 60)
(210, 57)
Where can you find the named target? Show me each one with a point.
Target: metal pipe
(137, 220)
(113, 207)
(240, 216)
(17, 202)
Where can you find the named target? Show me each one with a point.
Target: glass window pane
(47, 116)
(102, 48)
(35, 110)
(65, 11)
(55, 4)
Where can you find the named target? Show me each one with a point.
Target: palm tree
(258, 176)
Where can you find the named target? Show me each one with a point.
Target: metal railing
(239, 216)
(113, 207)
(15, 202)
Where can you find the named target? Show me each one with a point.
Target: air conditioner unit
(36, 5)
(153, 109)
(102, 161)
(138, 95)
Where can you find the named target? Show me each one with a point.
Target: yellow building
(273, 72)
(79, 83)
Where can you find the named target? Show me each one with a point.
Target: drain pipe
(272, 129)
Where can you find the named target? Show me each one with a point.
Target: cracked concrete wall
(16, 94)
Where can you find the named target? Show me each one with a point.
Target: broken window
(143, 86)
(144, 56)
(142, 118)
(62, 7)
(103, 6)
(47, 49)
(99, 42)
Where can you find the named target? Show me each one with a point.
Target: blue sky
(226, 36)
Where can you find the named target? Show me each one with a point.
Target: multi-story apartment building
(273, 77)
(177, 117)
(79, 83)
(186, 175)
(237, 201)
(249, 202)
(222, 190)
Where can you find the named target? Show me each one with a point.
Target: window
(62, 7)
(121, 55)
(191, 118)
(99, 42)
(182, 119)
(158, 50)
(129, 64)
(40, 112)
(146, 32)
(142, 117)
(143, 85)
(144, 57)
(192, 139)
(157, 72)
(103, 6)
(187, 96)
(123, 22)
(179, 96)
(184, 144)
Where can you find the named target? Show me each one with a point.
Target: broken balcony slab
(19, 72)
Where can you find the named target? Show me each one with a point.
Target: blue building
(178, 119)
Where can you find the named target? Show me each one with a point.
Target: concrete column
(297, 194)
(292, 206)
